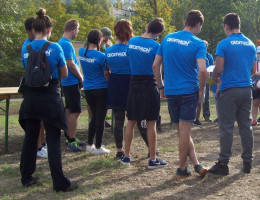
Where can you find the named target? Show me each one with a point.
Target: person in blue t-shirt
(44, 104)
(235, 62)
(29, 30)
(119, 83)
(185, 74)
(95, 71)
(71, 84)
(205, 97)
(143, 98)
(42, 148)
(119, 79)
(256, 91)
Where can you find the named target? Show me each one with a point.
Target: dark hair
(232, 20)
(123, 30)
(193, 18)
(41, 22)
(156, 25)
(94, 36)
(71, 25)
(28, 24)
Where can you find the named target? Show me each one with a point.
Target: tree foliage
(90, 14)
(94, 14)
(144, 11)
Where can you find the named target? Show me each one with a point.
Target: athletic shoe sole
(125, 163)
(156, 166)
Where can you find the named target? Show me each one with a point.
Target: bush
(11, 71)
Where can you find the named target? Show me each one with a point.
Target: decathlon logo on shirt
(89, 60)
(244, 43)
(118, 54)
(47, 52)
(181, 42)
(139, 48)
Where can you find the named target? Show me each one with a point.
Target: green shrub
(11, 71)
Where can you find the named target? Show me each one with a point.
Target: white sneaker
(43, 153)
(45, 146)
(100, 151)
(90, 148)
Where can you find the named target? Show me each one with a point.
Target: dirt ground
(103, 177)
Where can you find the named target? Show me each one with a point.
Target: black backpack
(38, 72)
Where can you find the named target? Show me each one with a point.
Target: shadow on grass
(200, 188)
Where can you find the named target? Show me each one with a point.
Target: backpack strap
(45, 46)
(29, 48)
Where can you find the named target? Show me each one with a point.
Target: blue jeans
(183, 107)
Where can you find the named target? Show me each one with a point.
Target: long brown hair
(94, 36)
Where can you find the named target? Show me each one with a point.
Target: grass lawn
(102, 177)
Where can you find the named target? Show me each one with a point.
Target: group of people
(127, 78)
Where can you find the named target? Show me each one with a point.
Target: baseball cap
(107, 33)
(258, 49)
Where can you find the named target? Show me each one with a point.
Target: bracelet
(161, 88)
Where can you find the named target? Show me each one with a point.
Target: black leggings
(29, 152)
(96, 100)
(119, 128)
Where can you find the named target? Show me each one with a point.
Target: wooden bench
(5, 94)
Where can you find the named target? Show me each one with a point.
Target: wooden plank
(6, 92)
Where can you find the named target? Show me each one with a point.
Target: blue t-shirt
(180, 52)
(239, 53)
(117, 59)
(141, 53)
(70, 54)
(54, 53)
(93, 67)
(27, 41)
(210, 60)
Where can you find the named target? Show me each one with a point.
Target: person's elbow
(203, 71)
(63, 75)
(155, 68)
(63, 72)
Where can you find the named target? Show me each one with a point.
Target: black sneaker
(185, 172)
(73, 186)
(197, 122)
(158, 163)
(219, 169)
(159, 129)
(120, 155)
(216, 120)
(247, 167)
(207, 119)
(34, 181)
(125, 161)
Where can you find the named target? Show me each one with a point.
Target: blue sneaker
(80, 143)
(158, 163)
(125, 161)
(74, 146)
